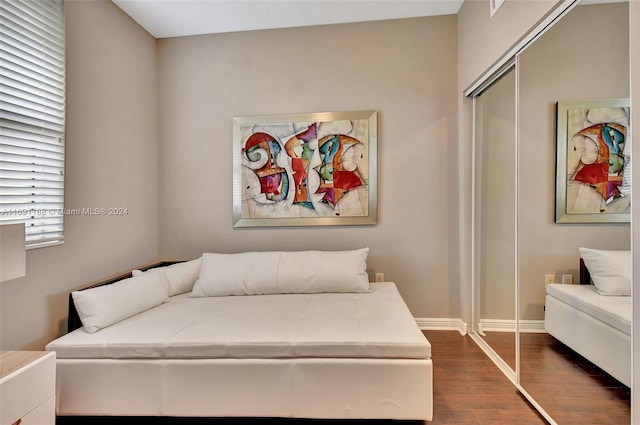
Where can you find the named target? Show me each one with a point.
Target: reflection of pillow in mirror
(610, 270)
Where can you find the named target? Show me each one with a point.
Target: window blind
(32, 117)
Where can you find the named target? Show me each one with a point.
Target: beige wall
(484, 39)
(403, 69)
(111, 161)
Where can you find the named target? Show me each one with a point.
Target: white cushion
(105, 305)
(610, 270)
(181, 276)
(279, 272)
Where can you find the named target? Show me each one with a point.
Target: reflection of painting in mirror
(599, 157)
(593, 176)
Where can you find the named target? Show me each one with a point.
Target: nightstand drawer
(43, 414)
(27, 386)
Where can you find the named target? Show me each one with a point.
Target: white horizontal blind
(32, 117)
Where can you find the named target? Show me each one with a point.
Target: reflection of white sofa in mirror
(596, 326)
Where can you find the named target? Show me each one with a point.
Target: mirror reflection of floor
(503, 343)
(569, 387)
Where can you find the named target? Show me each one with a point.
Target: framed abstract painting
(309, 169)
(593, 161)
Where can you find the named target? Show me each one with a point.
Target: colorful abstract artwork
(305, 169)
(594, 161)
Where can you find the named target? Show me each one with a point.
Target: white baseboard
(532, 326)
(500, 325)
(442, 324)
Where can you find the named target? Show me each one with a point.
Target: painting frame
(614, 209)
(246, 210)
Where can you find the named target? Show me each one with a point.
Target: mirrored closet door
(584, 58)
(495, 213)
(518, 242)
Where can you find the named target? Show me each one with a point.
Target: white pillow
(181, 276)
(105, 305)
(279, 272)
(610, 270)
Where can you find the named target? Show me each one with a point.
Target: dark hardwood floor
(570, 388)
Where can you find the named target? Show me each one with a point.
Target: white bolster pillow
(281, 272)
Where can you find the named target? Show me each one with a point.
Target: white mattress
(613, 310)
(337, 325)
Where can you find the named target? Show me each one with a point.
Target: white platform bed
(325, 355)
(597, 327)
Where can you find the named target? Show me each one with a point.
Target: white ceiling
(176, 18)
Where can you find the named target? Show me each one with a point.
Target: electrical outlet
(379, 277)
(549, 278)
(567, 279)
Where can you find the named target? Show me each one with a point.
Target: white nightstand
(27, 387)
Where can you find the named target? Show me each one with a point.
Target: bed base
(173, 420)
(604, 346)
(296, 388)
(601, 344)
